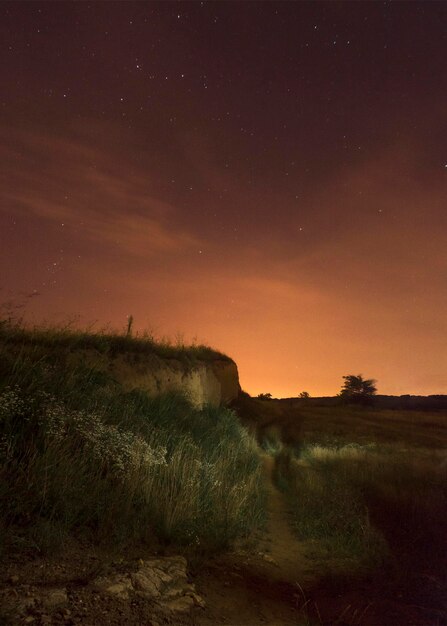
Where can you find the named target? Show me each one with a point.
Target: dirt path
(264, 588)
(267, 588)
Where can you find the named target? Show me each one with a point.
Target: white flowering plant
(109, 446)
(86, 455)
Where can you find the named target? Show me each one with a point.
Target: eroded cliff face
(214, 382)
(208, 382)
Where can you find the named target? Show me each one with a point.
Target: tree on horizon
(357, 389)
(264, 396)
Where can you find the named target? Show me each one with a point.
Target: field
(367, 492)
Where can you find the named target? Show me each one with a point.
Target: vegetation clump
(80, 455)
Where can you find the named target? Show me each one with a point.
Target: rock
(174, 592)
(145, 582)
(29, 620)
(269, 559)
(55, 599)
(198, 601)
(14, 579)
(180, 605)
(118, 589)
(117, 586)
(165, 578)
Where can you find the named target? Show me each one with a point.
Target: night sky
(269, 178)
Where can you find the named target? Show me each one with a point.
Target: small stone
(118, 589)
(55, 598)
(198, 601)
(119, 586)
(174, 592)
(29, 620)
(269, 559)
(180, 605)
(14, 579)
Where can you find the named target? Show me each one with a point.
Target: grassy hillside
(80, 456)
(105, 341)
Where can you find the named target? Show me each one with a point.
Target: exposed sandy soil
(278, 585)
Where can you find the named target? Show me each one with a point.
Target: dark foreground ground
(279, 583)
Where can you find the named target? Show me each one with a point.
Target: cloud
(63, 181)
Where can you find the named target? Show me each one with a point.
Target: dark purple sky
(269, 177)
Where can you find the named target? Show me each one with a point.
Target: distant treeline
(405, 402)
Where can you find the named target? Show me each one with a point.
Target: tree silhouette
(358, 390)
(264, 396)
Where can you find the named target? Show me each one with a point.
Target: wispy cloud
(66, 182)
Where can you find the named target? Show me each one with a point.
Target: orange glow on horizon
(295, 314)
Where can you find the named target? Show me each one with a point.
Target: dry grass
(365, 505)
(105, 340)
(335, 426)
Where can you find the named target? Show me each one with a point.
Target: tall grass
(105, 340)
(80, 455)
(365, 505)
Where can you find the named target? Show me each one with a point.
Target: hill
(106, 458)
